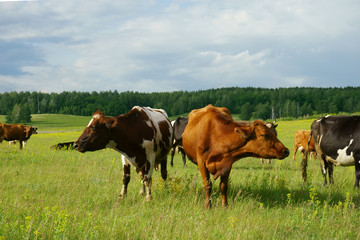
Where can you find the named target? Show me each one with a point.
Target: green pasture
(56, 194)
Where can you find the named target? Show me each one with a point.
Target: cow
(179, 125)
(214, 141)
(63, 146)
(337, 142)
(143, 136)
(301, 140)
(17, 132)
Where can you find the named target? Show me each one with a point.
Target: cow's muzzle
(286, 153)
(77, 147)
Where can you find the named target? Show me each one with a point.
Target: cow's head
(97, 133)
(262, 142)
(30, 131)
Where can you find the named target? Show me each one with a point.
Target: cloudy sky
(152, 46)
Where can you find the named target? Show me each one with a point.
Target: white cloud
(172, 45)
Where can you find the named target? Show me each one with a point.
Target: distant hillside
(57, 122)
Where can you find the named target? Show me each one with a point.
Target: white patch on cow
(126, 160)
(300, 149)
(156, 116)
(150, 154)
(320, 139)
(94, 117)
(343, 159)
(148, 123)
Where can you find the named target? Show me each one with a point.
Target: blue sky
(153, 46)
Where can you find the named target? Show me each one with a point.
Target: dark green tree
(20, 114)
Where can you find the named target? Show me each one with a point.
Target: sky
(156, 46)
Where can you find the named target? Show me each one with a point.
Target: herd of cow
(210, 138)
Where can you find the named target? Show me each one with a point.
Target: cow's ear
(244, 132)
(110, 123)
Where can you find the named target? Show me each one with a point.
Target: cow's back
(332, 133)
(202, 130)
(157, 121)
(14, 132)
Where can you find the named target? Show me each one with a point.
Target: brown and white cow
(143, 136)
(16, 132)
(301, 141)
(214, 141)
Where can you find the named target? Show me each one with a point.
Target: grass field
(49, 194)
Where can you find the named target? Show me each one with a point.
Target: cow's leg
(294, 152)
(224, 179)
(164, 168)
(172, 156)
(205, 175)
(323, 167)
(330, 172)
(126, 177)
(261, 160)
(304, 167)
(147, 179)
(357, 172)
(183, 155)
(142, 175)
(21, 144)
(269, 161)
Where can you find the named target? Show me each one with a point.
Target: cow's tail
(305, 159)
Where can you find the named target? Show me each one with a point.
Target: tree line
(249, 103)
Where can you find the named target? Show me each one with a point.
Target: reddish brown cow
(214, 141)
(143, 136)
(301, 141)
(16, 132)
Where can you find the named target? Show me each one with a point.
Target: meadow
(57, 194)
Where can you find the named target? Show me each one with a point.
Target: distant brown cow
(214, 141)
(17, 132)
(301, 141)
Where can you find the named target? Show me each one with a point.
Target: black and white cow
(143, 136)
(337, 142)
(179, 125)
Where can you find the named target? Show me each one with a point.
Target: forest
(247, 103)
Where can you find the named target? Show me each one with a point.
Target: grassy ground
(49, 194)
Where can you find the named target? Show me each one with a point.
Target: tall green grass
(49, 194)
